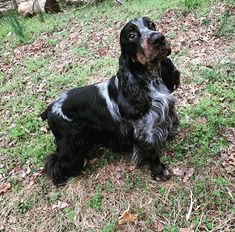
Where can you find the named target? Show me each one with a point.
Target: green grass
(109, 227)
(33, 27)
(226, 24)
(13, 21)
(95, 202)
(213, 113)
(108, 186)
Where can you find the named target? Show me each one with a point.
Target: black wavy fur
(114, 113)
(170, 75)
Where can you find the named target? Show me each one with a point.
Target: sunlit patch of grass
(34, 64)
(51, 42)
(192, 4)
(81, 52)
(104, 67)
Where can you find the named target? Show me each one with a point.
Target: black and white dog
(134, 109)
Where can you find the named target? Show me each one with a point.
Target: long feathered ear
(133, 101)
(170, 75)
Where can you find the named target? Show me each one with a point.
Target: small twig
(230, 193)
(191, 206)
(148, 203)
(164, 223)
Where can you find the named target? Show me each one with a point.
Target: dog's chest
(157, 123)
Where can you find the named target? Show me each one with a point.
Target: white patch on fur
(116, 82)
(57, 106)
(111, 105)
(85, 163)
(157, 124)
(136, 156)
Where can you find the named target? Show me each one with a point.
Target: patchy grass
(96, 201)
(81, 46)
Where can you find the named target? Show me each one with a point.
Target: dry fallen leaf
(177, 171)
(4, 187)
(185, 173)
(127, 217)
(160, 227)
(185, 230)
(188, 173)
(60, 205)
(132, 167)
(118, 175)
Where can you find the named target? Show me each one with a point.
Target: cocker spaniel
(133, 109)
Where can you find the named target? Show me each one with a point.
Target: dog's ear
(170, 75)
(133, 101)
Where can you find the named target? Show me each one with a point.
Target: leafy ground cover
(80, 46)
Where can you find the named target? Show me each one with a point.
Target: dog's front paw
(160, 172)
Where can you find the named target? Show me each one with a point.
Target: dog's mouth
(160, 52)
(152, 55)
(165, 50)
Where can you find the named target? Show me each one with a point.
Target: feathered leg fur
(68, 160)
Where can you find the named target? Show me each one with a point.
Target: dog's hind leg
(67, 161)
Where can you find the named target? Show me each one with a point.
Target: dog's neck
(143, 74)
(147, 73)
(154, 71)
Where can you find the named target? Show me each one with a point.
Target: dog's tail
(44, 114)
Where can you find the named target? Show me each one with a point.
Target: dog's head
(140, 40)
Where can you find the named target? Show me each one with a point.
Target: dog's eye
(132, 36)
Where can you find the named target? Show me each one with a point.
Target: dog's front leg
(149, 153)
(158, 169)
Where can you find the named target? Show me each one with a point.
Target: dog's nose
(157, 39)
